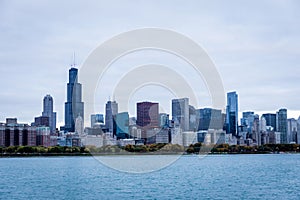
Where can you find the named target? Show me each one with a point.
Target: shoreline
(133, 154)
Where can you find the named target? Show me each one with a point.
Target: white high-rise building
(262, 124)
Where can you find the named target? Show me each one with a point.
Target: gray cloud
(254, 44)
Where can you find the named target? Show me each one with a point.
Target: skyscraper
(122, 123)
(164, 120)
(180, 113)
(210, 119)
(270, 120)
(48, 112)
(281, 123)
(232, 113)
(74, 106)
(248, 120)
(111, 109)
(292, 130)
(147, 118)
(147, 114)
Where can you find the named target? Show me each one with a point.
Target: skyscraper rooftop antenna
(74, 60)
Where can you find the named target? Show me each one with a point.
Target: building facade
(14, 134)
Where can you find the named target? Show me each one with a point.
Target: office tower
(48, 112)
(147, 114)
(122, 123)
(247, 120)
(147, 118)
(74, 106)
(232, 113)
(270, 120)
(163, 120)
(96, 119)
(210, 119)
(292, 130)
(180, 113)
(281, 124)
(111, 109)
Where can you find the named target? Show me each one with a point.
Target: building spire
(73, 62)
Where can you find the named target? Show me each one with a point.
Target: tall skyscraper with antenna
(74, 107)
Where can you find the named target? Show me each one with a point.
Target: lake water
(212, 177)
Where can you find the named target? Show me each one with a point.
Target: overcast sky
(255, 46)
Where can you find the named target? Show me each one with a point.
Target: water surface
(213, 177)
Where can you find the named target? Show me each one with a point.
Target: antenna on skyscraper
(74, 61)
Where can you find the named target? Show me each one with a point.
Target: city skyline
(258, 48)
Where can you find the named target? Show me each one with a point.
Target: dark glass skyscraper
(281, 121)
(111, 109)
(210, 119)
(232, 113)
(74, 106)
(147, 114)
(270, 120)
(147, 118)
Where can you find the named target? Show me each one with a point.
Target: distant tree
(197, 147)
(11, 149)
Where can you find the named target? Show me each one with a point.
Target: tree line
(151, 148)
